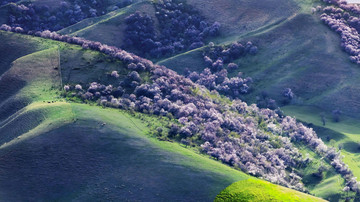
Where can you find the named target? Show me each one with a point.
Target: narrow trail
(261, 30)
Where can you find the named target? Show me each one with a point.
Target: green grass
(69, 124)
(109, 29)
(241, 16)
(47, 138)
(256, 190)
(329, 186)
(344, 133)
(308, 60)
(105, 153)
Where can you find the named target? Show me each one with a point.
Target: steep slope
(108, 29)
(239, 17)
(309, 61)
(285, 57)
(234, 19)
(90, 127)
(87, 160)
(51, 149)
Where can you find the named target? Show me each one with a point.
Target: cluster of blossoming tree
(181, 28)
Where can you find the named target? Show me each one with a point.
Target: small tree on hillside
(336, 115)
(323, 119)
(288, 95)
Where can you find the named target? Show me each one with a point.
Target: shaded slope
(29, 78)
(13, 48)
(242, 16)
(109, 29)
(88, 161)
(46, 127)
(55, 150)
(309, 61)
(237, 17)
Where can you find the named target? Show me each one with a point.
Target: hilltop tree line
(181, 28)
(31, 16)
(343, 18)
(257, 141)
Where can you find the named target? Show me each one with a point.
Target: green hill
(80, 158)
(256, 190)
(308, 60)
(83, 152)
(109, 28)
(303, 54)
(295, 51)
(54, 150)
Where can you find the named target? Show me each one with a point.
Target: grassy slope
(299, 52)
(319, 76)
(109, 28)
(310, 61)
(239, 17)
(345, 133)
(70, 153)
(256, 190)
(68, 144)
(286, 58)
(329, 186)
(86, 160)
(321, 79)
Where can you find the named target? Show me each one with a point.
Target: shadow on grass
(352, 147)
(312, 180)
(82, 163)
(327, 134)
(10, 85)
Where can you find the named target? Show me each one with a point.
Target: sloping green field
(108, 29)
(298, 52)
(256, 190)
(344, 134)
(87, 160)
(51, 149)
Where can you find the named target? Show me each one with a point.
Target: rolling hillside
(71, 151)
(286, 59)
(309, 60)
(110, 27)
(59, 141)
(110, 154)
